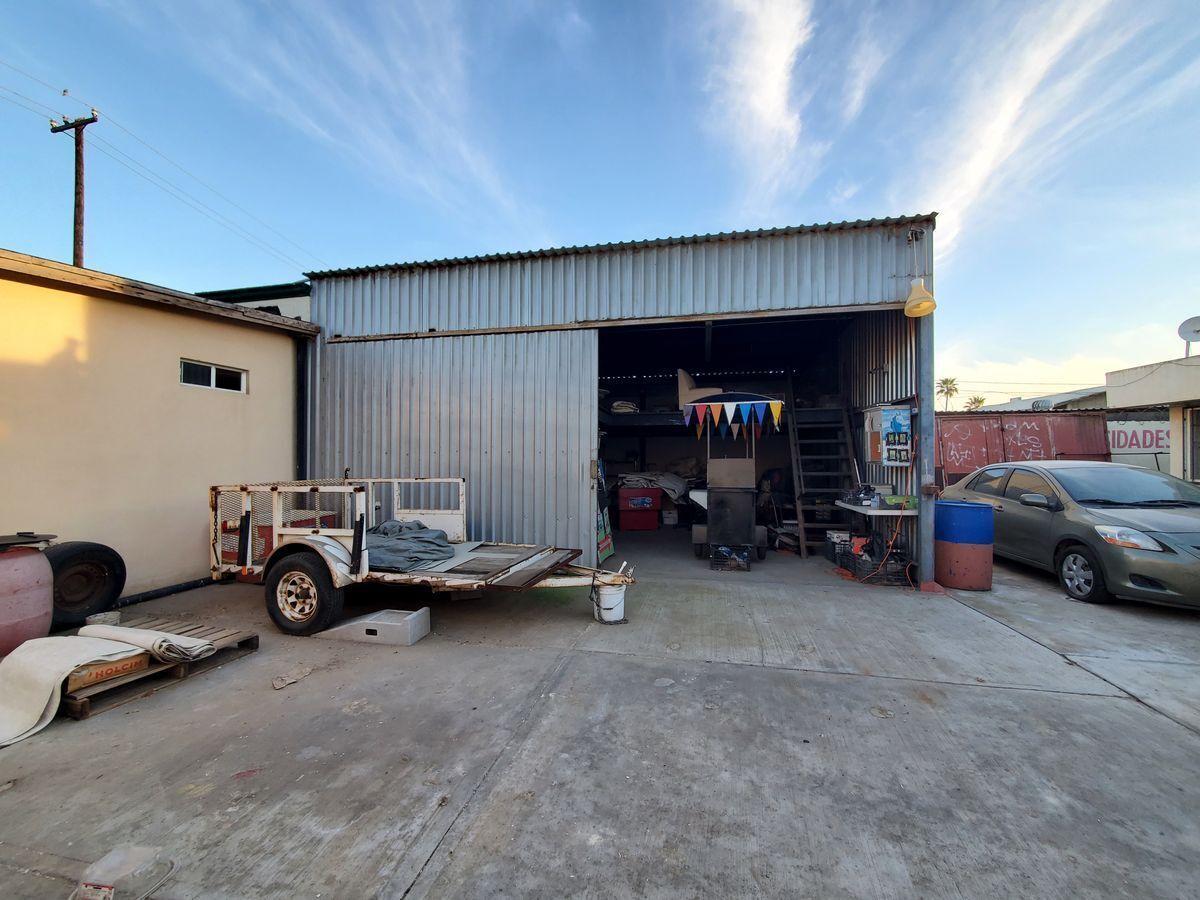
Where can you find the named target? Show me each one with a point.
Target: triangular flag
(746, 410)
(730, 410)
(687, 415)
(724, 428)
(699, 428)
(701, 409)
(760, 412)
(714, 410)
(777, 412)
(735, 426)
(758, 430)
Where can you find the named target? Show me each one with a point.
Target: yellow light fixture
(920, 302)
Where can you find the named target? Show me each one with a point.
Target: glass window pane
(1024, 482)
(195, 373)
(989, 481)
(229, 379)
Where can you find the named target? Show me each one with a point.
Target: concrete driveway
(778, 733)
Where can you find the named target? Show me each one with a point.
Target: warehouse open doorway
(661, 462)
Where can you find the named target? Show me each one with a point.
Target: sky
(245, 143)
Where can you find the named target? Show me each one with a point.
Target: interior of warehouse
(658, 457)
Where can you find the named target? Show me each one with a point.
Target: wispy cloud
(1041, 84)
(867, 58)
(388, 86)
(753, 104)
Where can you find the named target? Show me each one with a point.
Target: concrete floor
(777, 733)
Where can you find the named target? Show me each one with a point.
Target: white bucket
(610, 603)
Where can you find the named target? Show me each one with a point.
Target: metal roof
(259, 292)
(924, 219)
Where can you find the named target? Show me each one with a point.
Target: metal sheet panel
(968, 441)
(788, 270)
(514, 414)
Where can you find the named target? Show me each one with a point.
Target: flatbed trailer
(306, 542)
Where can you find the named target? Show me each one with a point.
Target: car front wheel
(1080, 575)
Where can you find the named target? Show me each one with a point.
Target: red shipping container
(639, 498)
(638, 519)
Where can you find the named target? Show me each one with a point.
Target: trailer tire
(88, 579)
(301, 598)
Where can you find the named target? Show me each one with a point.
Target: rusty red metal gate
(967, 441)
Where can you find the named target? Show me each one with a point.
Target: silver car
(1106, 530)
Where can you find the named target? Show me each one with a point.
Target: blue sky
(1057, 140)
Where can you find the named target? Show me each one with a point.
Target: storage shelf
(869, 512)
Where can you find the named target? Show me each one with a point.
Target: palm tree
(948, 388)
(975, 403)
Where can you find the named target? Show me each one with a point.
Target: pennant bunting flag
(735, 426)
(777, 412)
(714, 410)
(758, 431)
(701, 409)
(746, 410)
(760, 412)
(687, 415)
(724, 428)
(730, 411)
(699, 428)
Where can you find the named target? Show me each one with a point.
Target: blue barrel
(963, 534)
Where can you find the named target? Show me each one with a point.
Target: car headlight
(1127, 537)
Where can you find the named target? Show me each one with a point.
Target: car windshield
(1118, 485)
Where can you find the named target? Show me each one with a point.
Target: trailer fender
(336, 557)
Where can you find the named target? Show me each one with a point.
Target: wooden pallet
(95, 698)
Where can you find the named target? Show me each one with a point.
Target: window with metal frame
(210, 375)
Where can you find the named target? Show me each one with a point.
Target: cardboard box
(670, 517)
(96, 672)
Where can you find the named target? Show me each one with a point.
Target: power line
(38, 113)
(162, 184)
(108, 118)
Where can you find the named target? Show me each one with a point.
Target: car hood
(1164, 521)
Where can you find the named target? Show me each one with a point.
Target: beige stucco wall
(1158, 384)
(99, 440)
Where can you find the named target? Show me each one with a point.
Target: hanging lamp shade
(920, 302)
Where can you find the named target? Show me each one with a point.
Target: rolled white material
(165, 647)
(31, 679)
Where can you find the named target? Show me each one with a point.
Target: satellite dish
(1190, 332)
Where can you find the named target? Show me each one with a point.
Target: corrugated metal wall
(807, 270)
(515, 414)
(878, 351)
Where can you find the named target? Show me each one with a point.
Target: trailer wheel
(88, 579)
(300, 595)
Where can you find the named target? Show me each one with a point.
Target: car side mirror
(1040, 501)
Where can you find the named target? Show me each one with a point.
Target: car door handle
(999, 508)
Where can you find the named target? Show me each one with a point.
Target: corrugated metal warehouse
(492, 367)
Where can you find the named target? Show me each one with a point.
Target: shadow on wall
(100, 441)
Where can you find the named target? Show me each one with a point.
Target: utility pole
(76, 125)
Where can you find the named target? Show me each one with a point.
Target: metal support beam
(926, 407)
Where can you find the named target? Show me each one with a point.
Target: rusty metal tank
(26, 590)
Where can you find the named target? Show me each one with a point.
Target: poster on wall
(896, 436)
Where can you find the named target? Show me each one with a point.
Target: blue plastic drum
(963, 535)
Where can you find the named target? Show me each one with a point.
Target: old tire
(300, 595)
(88, 579)
(1080, 575)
